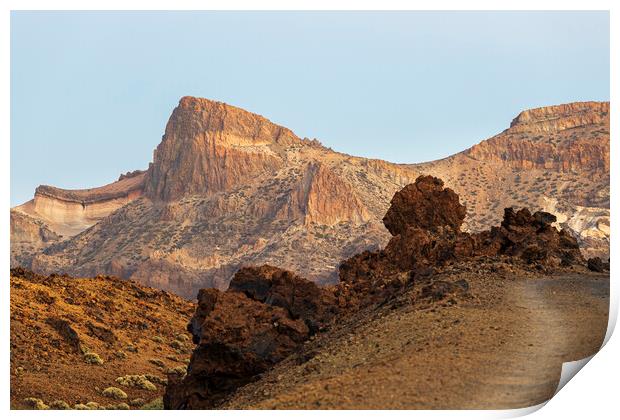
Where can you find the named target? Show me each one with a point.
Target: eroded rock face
(257, 194)
(578, 141)
(209, 147)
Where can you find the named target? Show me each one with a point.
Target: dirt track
(502, 349)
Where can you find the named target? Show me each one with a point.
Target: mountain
(229, 188)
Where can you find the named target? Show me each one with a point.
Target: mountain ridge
(228, 188)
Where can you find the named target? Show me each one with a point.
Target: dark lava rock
(302, 299)
(66, 331)
(424, 204)
(596, 264)
(266, 314)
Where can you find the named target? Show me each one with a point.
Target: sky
(91, 92)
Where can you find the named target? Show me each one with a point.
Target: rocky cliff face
(210, 147)
(563, 138)
(228, 188)
(69, 212)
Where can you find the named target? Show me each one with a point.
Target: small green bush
(35, 404)
(157, 362)
(178, 370)
(120, 354)
(156, 379)
(113, 392)
(158, 339)
(60, 405)
(156, 404)
(136, 381)
(93, 358)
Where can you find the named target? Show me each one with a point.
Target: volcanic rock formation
(263, 317)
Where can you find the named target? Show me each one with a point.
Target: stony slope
(56, 321)
(229, 188)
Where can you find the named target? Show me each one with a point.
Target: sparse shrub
(136, 381)
(80, 406)
(115, 393)
(182, 337)
(93, 358)
(60, 405)
(178, 345)
(93, 405)
(132, 348)
(158, 339)
(156, 404)
(156, 379)
(178, 370)
(157, 362)
(119, 406)
(137, 402)
(120, 354)
(35, 404)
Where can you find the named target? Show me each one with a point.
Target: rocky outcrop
(210, 147)
(425, 219)
(424, 204)
(531, 237)
(561, 117)
(301, 298)
(264, 316)
(596, 264)
(28, 236)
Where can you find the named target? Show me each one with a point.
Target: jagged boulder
(425, 220)
(425, 204)
(274, 286)
(531, 237)
(263, 317)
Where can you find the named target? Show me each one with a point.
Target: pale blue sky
(91, 91)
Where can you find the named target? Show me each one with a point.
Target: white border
(593, 394)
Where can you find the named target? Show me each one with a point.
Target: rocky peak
(561, 117)
(210, 146)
